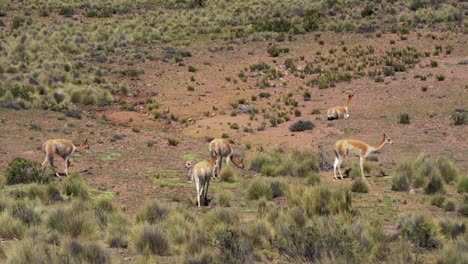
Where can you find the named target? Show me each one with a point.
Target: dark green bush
(301, 125)
(435, 185)
(21, 170)
(451, 228)
(152, 212)
(463, 185)
(459, 118)
(311, 244)
(235, 247)
(359, 186)
(404, 118)
(151, 240)
(260, 188)
(420, 231)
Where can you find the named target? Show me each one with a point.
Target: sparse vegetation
(301, 125)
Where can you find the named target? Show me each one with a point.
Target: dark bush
(22, 170)
(235, 246)
(359, 186)
(311, 244)
(404, 118)
(311, 20)
(274, 25)
(434, 185)
(66, 11)
(152, 213)
(420, 231)
(26, 214)
(459, 119)
(152, 240)
(301, 125)
(463, 185)
(74, 113)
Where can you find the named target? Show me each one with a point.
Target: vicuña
(63, 148)
(201, 173)
(221, 148)
(339, 112)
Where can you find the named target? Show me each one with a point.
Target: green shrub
(359, 186)
(420, 231)
(17, 22)
(31, 251)
(117, 232)
(404, 118)
(313, 243)
(236, 247)
(440, 77)
(260, 188)
(76, 187)
(150, 239)
(73, 221)
(452, 229)
(459, 119)
(227, 175)
(224, 199)
(153, 212)
(449, 206)
(76, 252)
(66, 11)
(21, 170)
(313, 178)
(223, 217)
(301, 125)
(280, 163)
(24, 213)
(173, 142)
(463, 185)
(456, 253)
(438, 200)
(448, 170)
(11, 227)
(435, 185)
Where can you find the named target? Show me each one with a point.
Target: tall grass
(278, 162)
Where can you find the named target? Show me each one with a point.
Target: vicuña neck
(79, 148)
(348, 102)
(380, 145)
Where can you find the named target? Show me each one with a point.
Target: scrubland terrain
(150, 83)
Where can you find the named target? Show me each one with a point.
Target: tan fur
(351, 147)
(63, 148)
(339, 112)
(221, 148)
(201, 173)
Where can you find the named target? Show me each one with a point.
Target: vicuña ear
(86, 141)
(385, 135)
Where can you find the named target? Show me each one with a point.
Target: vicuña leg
(67, 163)
(361, 163)
(197, 185)
(337, 161)
(205, 192)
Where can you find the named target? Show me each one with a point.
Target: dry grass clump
(76, 220)
(421, 231)
(152, 213)
(320, 200)
(359, 186)
(281, 163)
(426, 172)
(21, 170)
(150, 240)
(75, 186)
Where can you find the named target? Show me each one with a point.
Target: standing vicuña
(63, 148)
(221, 148)
(338, 112)
(348, 147)
(202, 172)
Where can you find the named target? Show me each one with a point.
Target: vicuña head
(221, 148)
(63, 148)
(338, 112)
(348, 147)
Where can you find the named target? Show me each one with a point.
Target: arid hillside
(151, 83)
